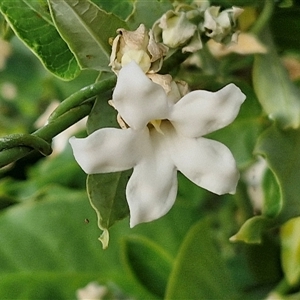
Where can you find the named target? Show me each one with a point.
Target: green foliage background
(49, 244)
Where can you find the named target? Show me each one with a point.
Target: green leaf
(290, 249)
(279, 97)
(49, 249)
(87, 30)
(120, 8)
(272, 197)
(141, 12)
(107, 196)
(199, 271)
(148, 262)
(32, 25)
(252, 230)
(281, 151)
(286, 28)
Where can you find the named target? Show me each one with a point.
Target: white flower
(157, 155)
(93, 291)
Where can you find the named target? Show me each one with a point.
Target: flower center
(156, 124)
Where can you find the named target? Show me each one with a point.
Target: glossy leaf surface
(32, 24)
(87, 30)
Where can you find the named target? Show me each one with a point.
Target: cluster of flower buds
(182, 28)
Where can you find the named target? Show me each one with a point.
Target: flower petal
(202, 112)
(151, 190)
(207, 163)
(109, 150)
(137, 98)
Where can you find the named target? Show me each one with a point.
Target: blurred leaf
(148, 262)
(107, 196)
(228, 3)
(286, 28)
(49, 246)
(263, 261)
(43, 285)
(141, 12)
(277, 94)
(281, 151)
(49, 243)
(61, 169)
(38, 33)
(120, 8)
(87, 30)
(199, 272)
(290, 249)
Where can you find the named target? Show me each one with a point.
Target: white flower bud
(138, 46)
(220, 25)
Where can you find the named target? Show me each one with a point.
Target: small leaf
(290, 245)
(252, 230)
(87, 30)
(199, 272)
(32, 24)
(107, 196)
(272, 197)
(279, 97)
(148, 262)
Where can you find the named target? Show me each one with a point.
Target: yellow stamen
(156, 125)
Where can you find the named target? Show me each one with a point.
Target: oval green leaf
(148, 262)
(290, 249)
(107, 196)
(278, 95)
(32, 24)
(199, 271)
(87, 30)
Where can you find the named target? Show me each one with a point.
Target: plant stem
(70, 111)
(85, 93)
(47, 132)
(264, 17)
